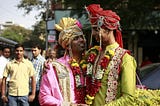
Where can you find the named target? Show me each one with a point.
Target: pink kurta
(50, 89)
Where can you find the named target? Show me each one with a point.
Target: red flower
(91, 58)
(92, 87)
(76, 70)
(104, 62)
(80, 91)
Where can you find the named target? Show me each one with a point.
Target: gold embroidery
(64, 80)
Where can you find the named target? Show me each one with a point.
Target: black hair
(19, 45)
(36, 46)
(5, 47)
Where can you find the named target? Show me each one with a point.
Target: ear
(40, 50)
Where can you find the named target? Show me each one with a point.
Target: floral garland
(93, 79)
(79, 91)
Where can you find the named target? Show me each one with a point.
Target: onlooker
(38, 63)
(52, 55)
(4, 59)
(20, 71)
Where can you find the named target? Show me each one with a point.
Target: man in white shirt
(4, 59)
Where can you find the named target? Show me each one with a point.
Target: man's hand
(46, 66)
(31, 98)
(5, 99)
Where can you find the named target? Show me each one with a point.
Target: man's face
(6, 52)
(52, 54)
(19, 52)
(78, 44)
(36, 52)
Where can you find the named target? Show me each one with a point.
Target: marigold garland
(93, 80)
(80, 90)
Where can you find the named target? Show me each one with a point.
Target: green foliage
(16, 33)
(29, 5)
(25, 36)
(135, 14)
(38, 35)
(140, 15)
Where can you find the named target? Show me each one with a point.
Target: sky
(9, 12)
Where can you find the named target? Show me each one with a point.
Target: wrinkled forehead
(74, 32)
(80, 35)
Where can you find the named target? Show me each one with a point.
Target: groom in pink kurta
(63, 83)
(50, 91)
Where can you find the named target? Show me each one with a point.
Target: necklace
(78, 83)
(94, 76)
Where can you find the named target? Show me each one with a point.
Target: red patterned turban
(109, 19)
(106, 19)
(93, 11)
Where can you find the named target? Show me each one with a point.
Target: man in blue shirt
(38, 63)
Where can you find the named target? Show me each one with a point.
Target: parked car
(150, 75)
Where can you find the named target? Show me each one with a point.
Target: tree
(17, 33)
(38, 35)
(135, 14)
(29, 5)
